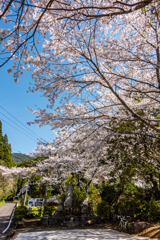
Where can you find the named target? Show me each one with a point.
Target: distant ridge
(19, 157)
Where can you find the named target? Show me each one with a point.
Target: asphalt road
(5, 214)
(81, 234)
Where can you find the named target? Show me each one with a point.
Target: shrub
(121, 206)
(104, 210)
(50, 209)
(142, 205)
(21, 199)
(61, 198)
(78, 196)
(32, 215)
(154, 210)
(94, 199)
(20, 213)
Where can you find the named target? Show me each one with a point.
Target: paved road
(5, 213)
(90, 234)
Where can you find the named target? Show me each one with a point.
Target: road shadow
(153, 232)
(4, 223)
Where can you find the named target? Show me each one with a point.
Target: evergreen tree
(1, 143)
(7, 151)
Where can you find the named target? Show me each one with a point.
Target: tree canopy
(98, 65)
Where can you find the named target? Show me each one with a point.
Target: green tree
(7, 187)
(7, 157)
(1, 143)
(135, 154)
(5, 150)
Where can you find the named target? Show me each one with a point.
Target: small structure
(84, 206)
(69, 196)
(59, 209)
(35, 202)
(71, 216)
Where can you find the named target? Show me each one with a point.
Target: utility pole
(46, 190)
(25, 197)
(26, 192)
(45, 198)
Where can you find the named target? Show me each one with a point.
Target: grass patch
(2, 202)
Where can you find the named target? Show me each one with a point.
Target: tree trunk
(155, 188)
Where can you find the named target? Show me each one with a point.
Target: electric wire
(11, 147)
(12, 151)
(18, 129)
(23, 124)
(18, 125)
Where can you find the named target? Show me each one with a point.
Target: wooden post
(45, 199)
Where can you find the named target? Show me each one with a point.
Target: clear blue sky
(15, 100)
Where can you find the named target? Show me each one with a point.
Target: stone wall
(70, 221)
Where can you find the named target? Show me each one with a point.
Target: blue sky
(15, 100)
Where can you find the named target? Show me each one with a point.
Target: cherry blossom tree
(14, 171)
(106, 72)
(100, 62)
(28, 18)
(58, 169)
(103, 65)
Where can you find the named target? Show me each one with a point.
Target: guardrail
(10, 220)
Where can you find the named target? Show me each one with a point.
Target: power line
(23, 124)
(17, 129)
(12, 151)
(17, 125)
(11, 147)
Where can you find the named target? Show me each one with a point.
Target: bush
(34, 212)
(109, 192)
(2, 202)
(142, 206)
(61, 197)
(20, 213)
(154, 210)
(94, 199)
(50, 209)
(21, 199)
(33, 215)
(104, 210)
(78, 196)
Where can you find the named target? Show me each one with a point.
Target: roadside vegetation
(2, 202)
(98, 67)
(115, 196)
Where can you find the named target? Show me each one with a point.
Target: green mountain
(19, 157)
(32, 162)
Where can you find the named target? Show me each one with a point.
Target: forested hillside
(19, 157)
(32, 162)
